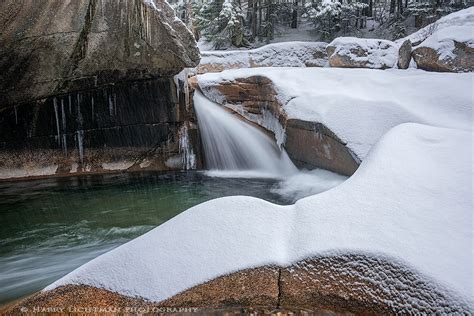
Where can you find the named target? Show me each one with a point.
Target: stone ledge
(331, 285)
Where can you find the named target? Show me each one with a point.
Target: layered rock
(352, 52)
(87, 86)
(309, 144)
(293, 54)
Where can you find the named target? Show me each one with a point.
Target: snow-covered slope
(409, 202)
(457, 26)
(361, 105)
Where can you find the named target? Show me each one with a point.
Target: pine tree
(222, 23)
(332, 16)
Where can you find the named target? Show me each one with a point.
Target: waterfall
(231, 144)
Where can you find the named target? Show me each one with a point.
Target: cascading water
(230, 144)
(235, 148)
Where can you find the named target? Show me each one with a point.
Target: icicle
(79, 114)
(80, 145)
(188, 158)
(70, 104)
(111, 106)
(63, 116)
(92, 107)
(80, 131)
(115, 104)
(55, 103)
(16, 116)
(65, 144)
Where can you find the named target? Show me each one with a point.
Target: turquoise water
(50, 227)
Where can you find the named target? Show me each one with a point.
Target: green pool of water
(50, 227)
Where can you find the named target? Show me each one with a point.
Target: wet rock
(311, 145)
(353, 52)
(126, 126)
(87, 86)
(404, 55)
(51, 47)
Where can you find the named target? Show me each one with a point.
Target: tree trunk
(400, 7)
(392, 6)
(254, 19)
(260, 19)
(294, 17)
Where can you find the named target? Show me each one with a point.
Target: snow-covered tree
(221, 22)
(332, 16)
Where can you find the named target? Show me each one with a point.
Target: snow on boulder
(353, 52)
(409, 204)
(448, 44)
(288, 54)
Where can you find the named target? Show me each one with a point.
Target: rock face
(87, 86)
(458, 58)
(54, 46)
(352, 52)
(311, 145)
(404, 55)
(331, 285)
(308, 144)
(293, 54)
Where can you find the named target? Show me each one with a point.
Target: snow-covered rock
(409, 204)
(360, 105)
(463, 18)
(446, 45)
(288, 54)
(353, 52)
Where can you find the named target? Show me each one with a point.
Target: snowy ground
(409, 202)
(361, 105)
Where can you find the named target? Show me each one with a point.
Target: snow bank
(288, 54)
(361, 52)
(410, 201)
(361, 105)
